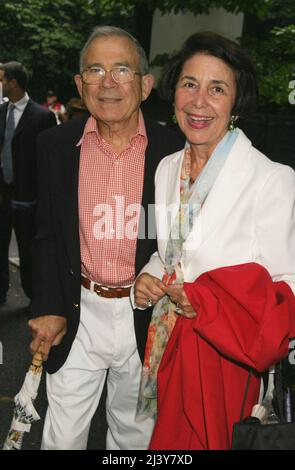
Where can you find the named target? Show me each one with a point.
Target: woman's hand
(178, 296)
(148, 290)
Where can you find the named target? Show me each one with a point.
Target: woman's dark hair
(222, 48)
(15, 70)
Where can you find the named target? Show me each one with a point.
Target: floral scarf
(164, 317)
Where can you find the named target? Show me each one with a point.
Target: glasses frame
(111, 71)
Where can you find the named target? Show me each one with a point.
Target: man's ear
(78, 81)
(147, 82)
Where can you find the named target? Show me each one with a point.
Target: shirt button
(112, 231)
(109, 264)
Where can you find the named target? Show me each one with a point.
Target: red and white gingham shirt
(108, 184)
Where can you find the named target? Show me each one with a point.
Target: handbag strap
(279, 391)
(246, 393)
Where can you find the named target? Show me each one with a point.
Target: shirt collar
(91, 127)
(22, 103)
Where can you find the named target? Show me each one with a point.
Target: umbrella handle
(37, 358)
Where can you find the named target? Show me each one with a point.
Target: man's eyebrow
(115, 64)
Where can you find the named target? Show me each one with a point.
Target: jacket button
(71, 272)
(76, 306)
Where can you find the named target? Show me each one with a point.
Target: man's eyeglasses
(95, 74)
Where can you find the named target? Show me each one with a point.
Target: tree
(47, 35)
(271, 42)
(128, 7)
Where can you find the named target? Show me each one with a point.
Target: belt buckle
(97, 290)
(101, 290)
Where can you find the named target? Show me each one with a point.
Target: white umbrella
(24, 413)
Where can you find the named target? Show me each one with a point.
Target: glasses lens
(93, 75)
(122, 74)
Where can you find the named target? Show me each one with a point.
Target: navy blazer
(56, 247)
(34, 119)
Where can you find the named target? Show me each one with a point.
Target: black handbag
(250, 434)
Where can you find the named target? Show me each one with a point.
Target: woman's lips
(199, 122)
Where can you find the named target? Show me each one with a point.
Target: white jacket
(248, 216)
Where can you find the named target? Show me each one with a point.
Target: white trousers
(105, 341)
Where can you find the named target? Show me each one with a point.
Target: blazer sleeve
(275, 225)
(47, 295)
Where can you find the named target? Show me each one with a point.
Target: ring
(178, 309)
(149, 302)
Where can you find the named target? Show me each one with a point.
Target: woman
(226, 231)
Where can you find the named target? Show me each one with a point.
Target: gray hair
(109, 31)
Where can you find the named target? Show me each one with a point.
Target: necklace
(188, 165)
(187, 161)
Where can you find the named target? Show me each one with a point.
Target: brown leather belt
(105, 291)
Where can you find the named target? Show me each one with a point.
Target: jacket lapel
(71, 212)
(3, 112)
(226, 190)
(173, 188)
(147, 200)
(222, 197)
(69, 207)
(166, 214)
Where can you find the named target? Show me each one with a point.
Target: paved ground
(15, 337)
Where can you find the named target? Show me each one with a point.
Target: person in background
(55, 106)
(75, 108)
(223, 278)
(2, 98)
(21, 120)
(96, 179)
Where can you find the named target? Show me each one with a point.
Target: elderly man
(96, 183)
(21, 120)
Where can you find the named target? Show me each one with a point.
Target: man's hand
(148, 290)
(48, 330)
(178, 296)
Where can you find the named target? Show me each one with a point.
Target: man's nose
(108, 81)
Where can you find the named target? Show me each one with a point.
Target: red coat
(243, 319)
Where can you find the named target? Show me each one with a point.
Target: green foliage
(273, 50)
(258, 7)
(47, 36)
(127, 7)
(113, 7)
